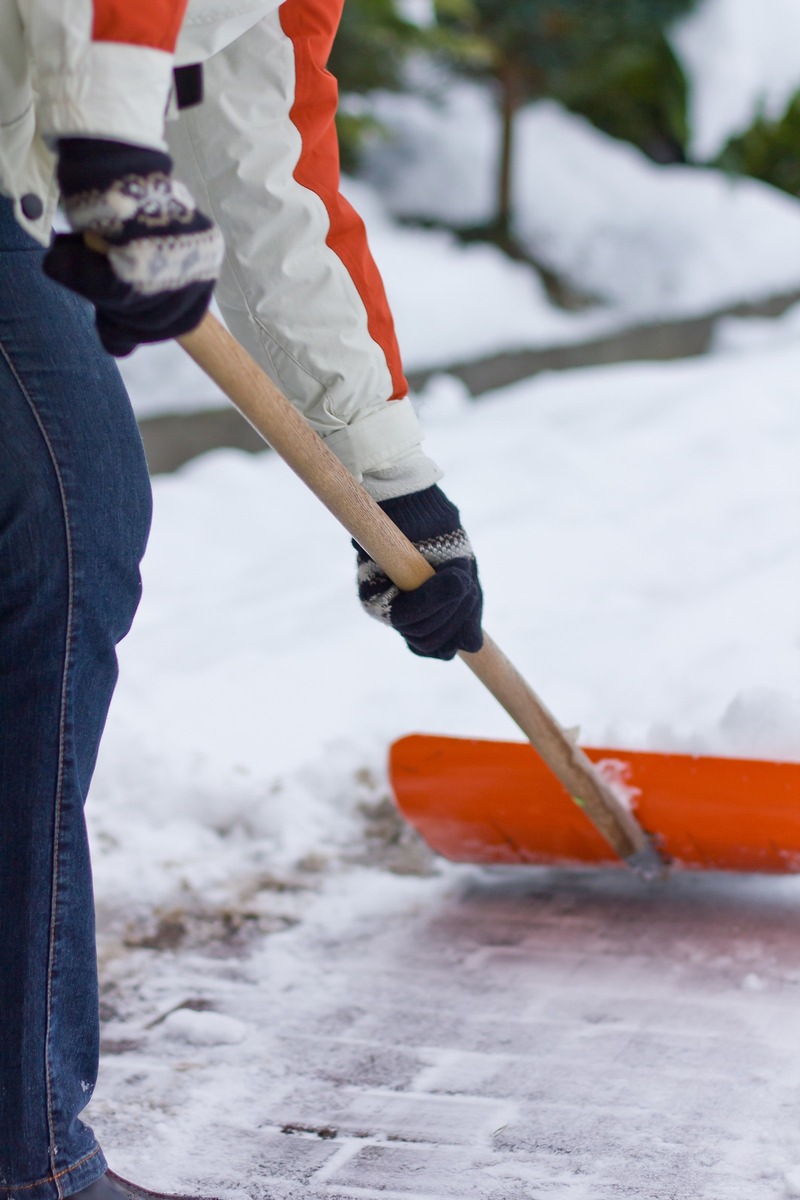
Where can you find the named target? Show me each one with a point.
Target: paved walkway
(558, 1036)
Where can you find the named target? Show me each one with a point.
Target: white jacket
(299, 288)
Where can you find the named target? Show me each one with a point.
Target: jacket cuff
(383, 451)
(413, 473)
(90, 102)
(378, 439)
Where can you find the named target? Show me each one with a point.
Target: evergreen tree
(371, 47)
(769, 150)
(638, 94)
(596, 56)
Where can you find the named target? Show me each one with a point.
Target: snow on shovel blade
(496, 802)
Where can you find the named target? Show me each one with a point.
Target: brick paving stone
(293, 1156)
(541, 1077)
(339, 1060)
(447, 1028)
(399, 1116)
(415, 1171)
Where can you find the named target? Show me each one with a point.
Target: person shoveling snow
(297, 286)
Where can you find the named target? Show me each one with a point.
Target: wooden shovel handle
(288, 432)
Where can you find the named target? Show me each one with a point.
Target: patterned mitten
(444, 615)
(164, 256)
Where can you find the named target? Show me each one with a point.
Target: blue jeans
(74, 518)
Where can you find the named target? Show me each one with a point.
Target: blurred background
(550, 184)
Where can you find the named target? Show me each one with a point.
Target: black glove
(444, 615)
(164, 256)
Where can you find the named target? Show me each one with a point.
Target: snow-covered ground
(638, 532)
(655, 242)
(741, 62)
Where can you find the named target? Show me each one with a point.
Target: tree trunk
(511, 94)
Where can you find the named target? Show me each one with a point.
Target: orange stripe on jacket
(153, 23)
(311, 26)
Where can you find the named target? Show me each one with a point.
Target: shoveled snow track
(494, 1035)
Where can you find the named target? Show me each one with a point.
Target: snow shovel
(548, 802)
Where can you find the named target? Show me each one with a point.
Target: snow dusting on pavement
(299, 1000)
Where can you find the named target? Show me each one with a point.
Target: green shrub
(371, 47)
(608, 60)
(769, 150)
(639, 94)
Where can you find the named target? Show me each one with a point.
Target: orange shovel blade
(496, 802)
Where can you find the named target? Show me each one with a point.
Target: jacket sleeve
(299, 287)
(103, 67)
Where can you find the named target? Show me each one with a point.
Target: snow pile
(440, 158)
(419, 12)
(637, 533)
(455, 303)
(203, 1028)
(657, 242)
(758, 333)
(741, 61)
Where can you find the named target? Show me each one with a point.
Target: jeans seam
(53, 1148)
(53, 1178)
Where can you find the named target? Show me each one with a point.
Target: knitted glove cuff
(431, 522)
(442, 616)
(127, 196)
(94, 164)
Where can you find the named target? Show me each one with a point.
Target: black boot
(111, 1187)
